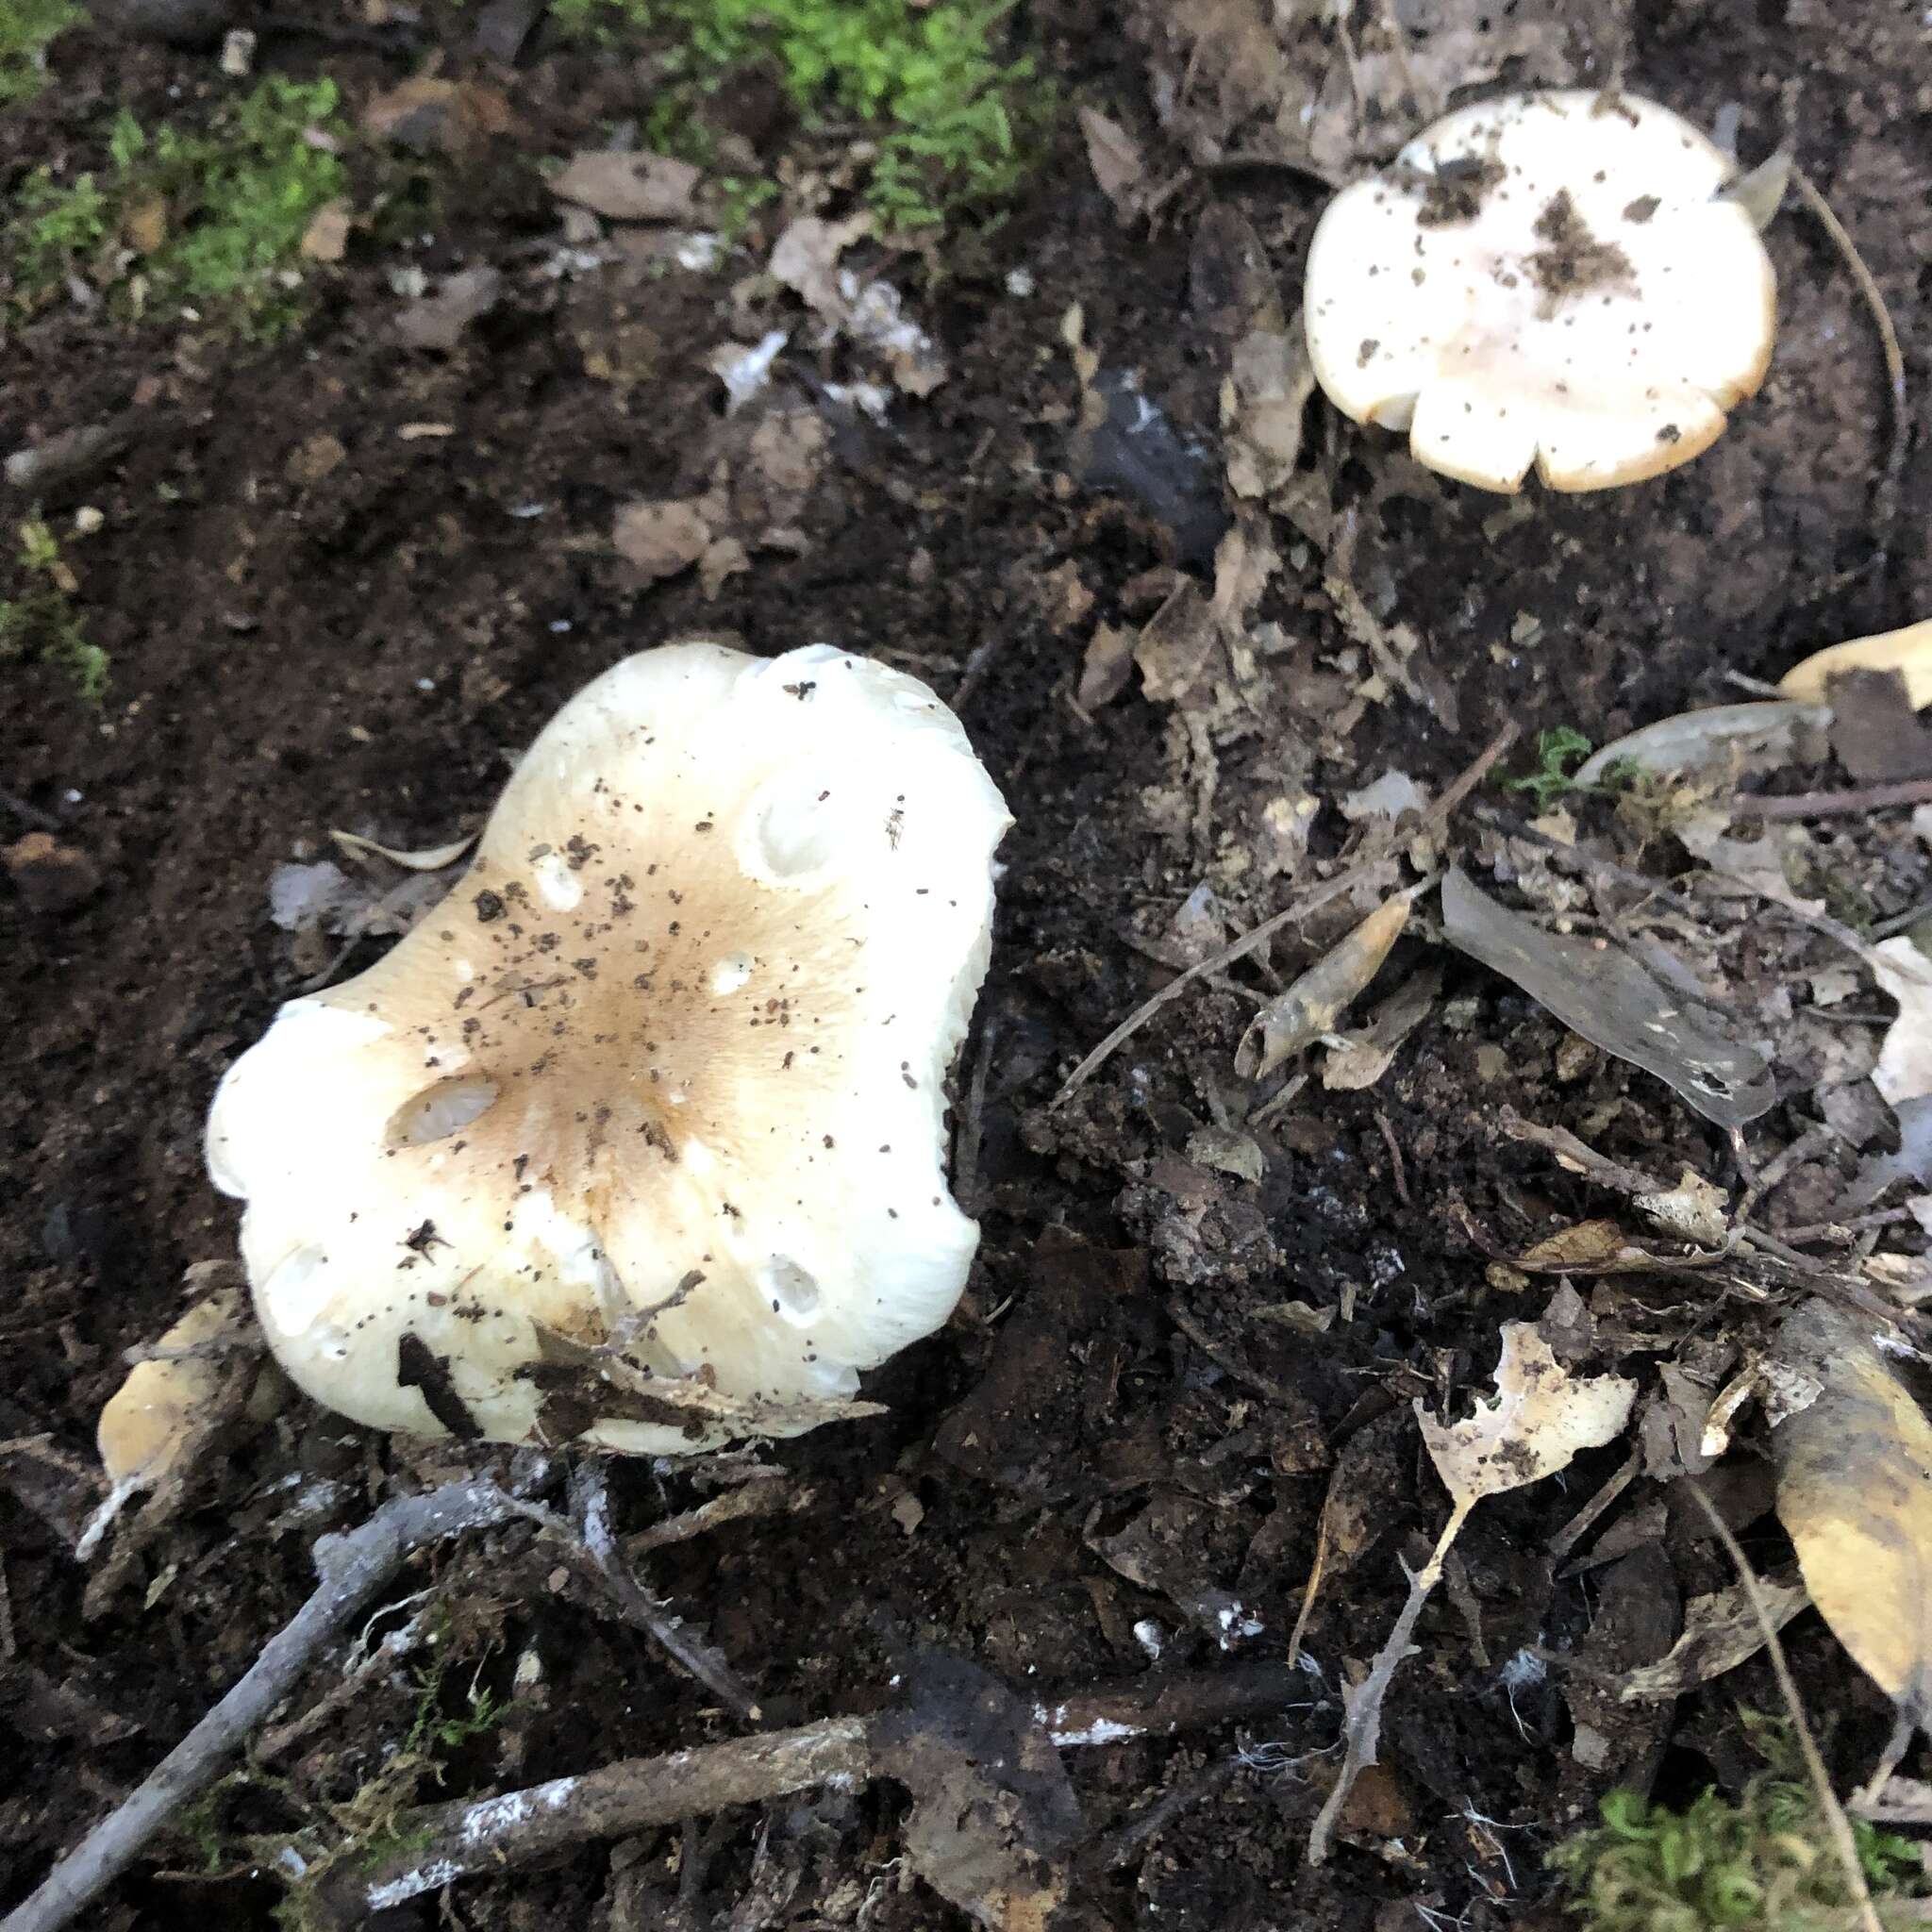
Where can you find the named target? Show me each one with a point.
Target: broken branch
(449, 1841)
(353, 1567)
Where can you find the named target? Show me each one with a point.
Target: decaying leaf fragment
(995, 1818)
(1312, 1006)
(1854, 1492)
(1541, 1419)
(580, 1383)
(1721, 1630)
(628, 187)
(1600, 991)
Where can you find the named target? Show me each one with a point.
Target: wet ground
(321, 613)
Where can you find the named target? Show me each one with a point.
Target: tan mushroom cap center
(601, 1022)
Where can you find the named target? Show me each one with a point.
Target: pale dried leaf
(1695, 1210)
(1756, 737)
(1105, 668)
(1855, 1493)
(804, 258)
(1176, 644)
(1541, 1419)
(1904, 1072)
(150, 1419)
(1594, 1245)
(659, 539)
(438, 321)
(1115, 158)
(1761, 192)
(636, 187)
(1357, 1060)
(426, 858)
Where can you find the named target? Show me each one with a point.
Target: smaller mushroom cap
(1548, 278)
(654, 1100)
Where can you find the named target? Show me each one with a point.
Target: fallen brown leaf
(429, 115)
(1115, 158)
(326, 236)
(438, 321)
(659, 539)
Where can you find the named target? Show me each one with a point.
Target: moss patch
(956, 123)
(1764, 1863)
(210, 219)
(28, 29)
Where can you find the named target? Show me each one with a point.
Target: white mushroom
(638, 1133)
(1547, 277)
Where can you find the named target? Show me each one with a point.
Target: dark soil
(315, 622)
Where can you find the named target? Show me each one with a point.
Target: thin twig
(1311, 901)
(448, 1841)
(1361, 1728)
(1833, 1812)
(639, 1607)
(772, 1497)
(1399, 1174)
(1571, 1152)
(1849, 1226)
(1835, 805)
(1580, 1525)
(1885, 492)
(353, 1567)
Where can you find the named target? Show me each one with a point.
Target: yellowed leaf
(152, 1416)
(1908, 652)
(1855, 1493)
(1314, 1004)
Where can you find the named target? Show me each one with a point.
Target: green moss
(954, 126)
(28, 29)
(233, 201)
(39, 625)
(1764, 1863)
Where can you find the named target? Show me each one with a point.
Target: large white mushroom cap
(1544, 278)
(638, 1135)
